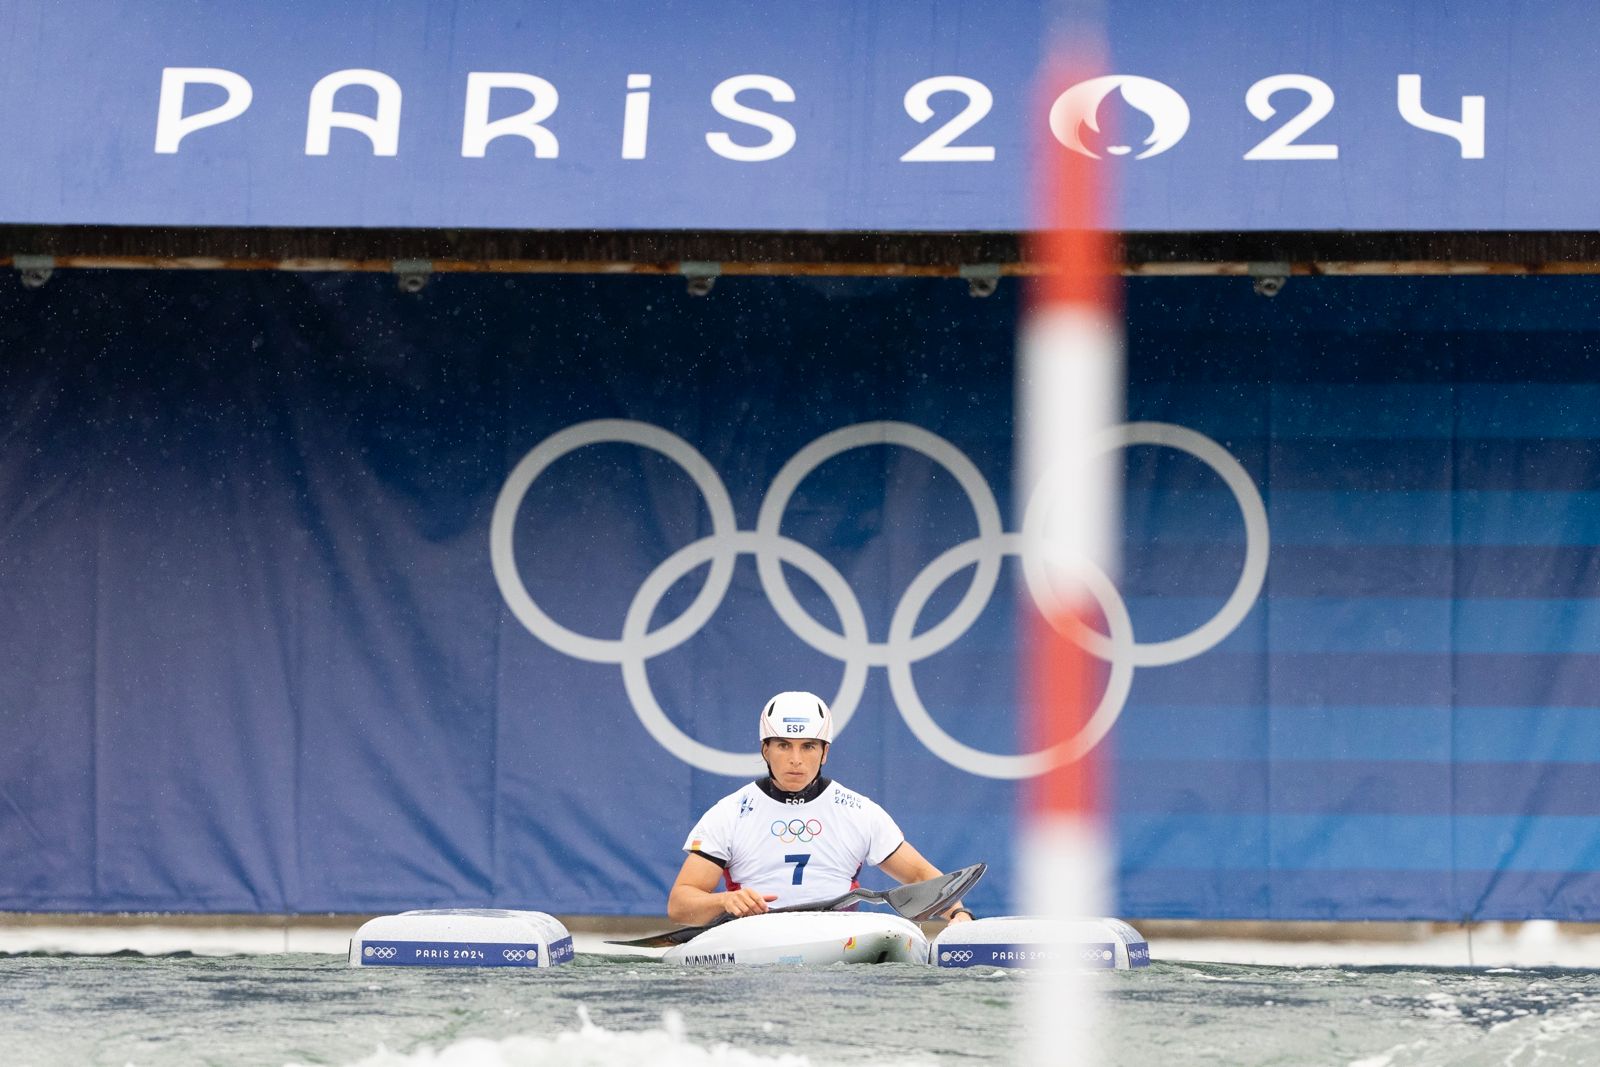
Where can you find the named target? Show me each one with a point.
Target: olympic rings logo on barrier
(960, 955)
(853, 647)
(515, 955)
(802, 830)
(382, 952)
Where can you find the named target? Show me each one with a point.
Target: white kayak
(805, 937)
(462, 937)
(1026, 941)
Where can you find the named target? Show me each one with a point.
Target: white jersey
(800, 852)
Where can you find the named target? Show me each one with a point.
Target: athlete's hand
(745, 901)
(961, 916)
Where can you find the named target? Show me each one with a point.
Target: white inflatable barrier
(1022, 941)
(805, 937)
(462, 937)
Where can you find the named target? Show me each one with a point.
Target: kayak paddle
(914, 900)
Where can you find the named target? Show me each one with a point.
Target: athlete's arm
(694, 900)
(906, 864)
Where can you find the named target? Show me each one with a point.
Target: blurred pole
(1069, 393)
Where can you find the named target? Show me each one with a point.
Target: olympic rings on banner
(603, 431)
(1251, 575)
(852, 645)
(824, 448)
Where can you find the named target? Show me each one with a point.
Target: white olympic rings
(853, 647)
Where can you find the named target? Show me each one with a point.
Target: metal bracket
(1270, 278)
(700, 275)
(412, 274)
(35, 270)
(982, 278)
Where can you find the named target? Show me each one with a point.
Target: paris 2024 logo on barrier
(852, 645)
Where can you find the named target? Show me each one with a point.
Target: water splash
(590, 1045)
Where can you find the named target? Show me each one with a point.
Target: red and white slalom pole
(1069, 395)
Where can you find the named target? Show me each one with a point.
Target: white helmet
(798, 715)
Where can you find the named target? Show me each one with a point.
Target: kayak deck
(809, 938)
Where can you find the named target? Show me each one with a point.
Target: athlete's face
(795, 762)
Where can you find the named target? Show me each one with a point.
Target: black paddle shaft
(915, 900)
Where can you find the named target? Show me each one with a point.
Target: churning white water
(629, 1012)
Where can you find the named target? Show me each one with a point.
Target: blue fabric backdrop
(257, 657)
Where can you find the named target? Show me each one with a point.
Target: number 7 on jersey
(799, 862)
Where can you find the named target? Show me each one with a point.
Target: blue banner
(320, 596)
(840, 115)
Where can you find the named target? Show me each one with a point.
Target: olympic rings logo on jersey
(851, 645)
(801, 830)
